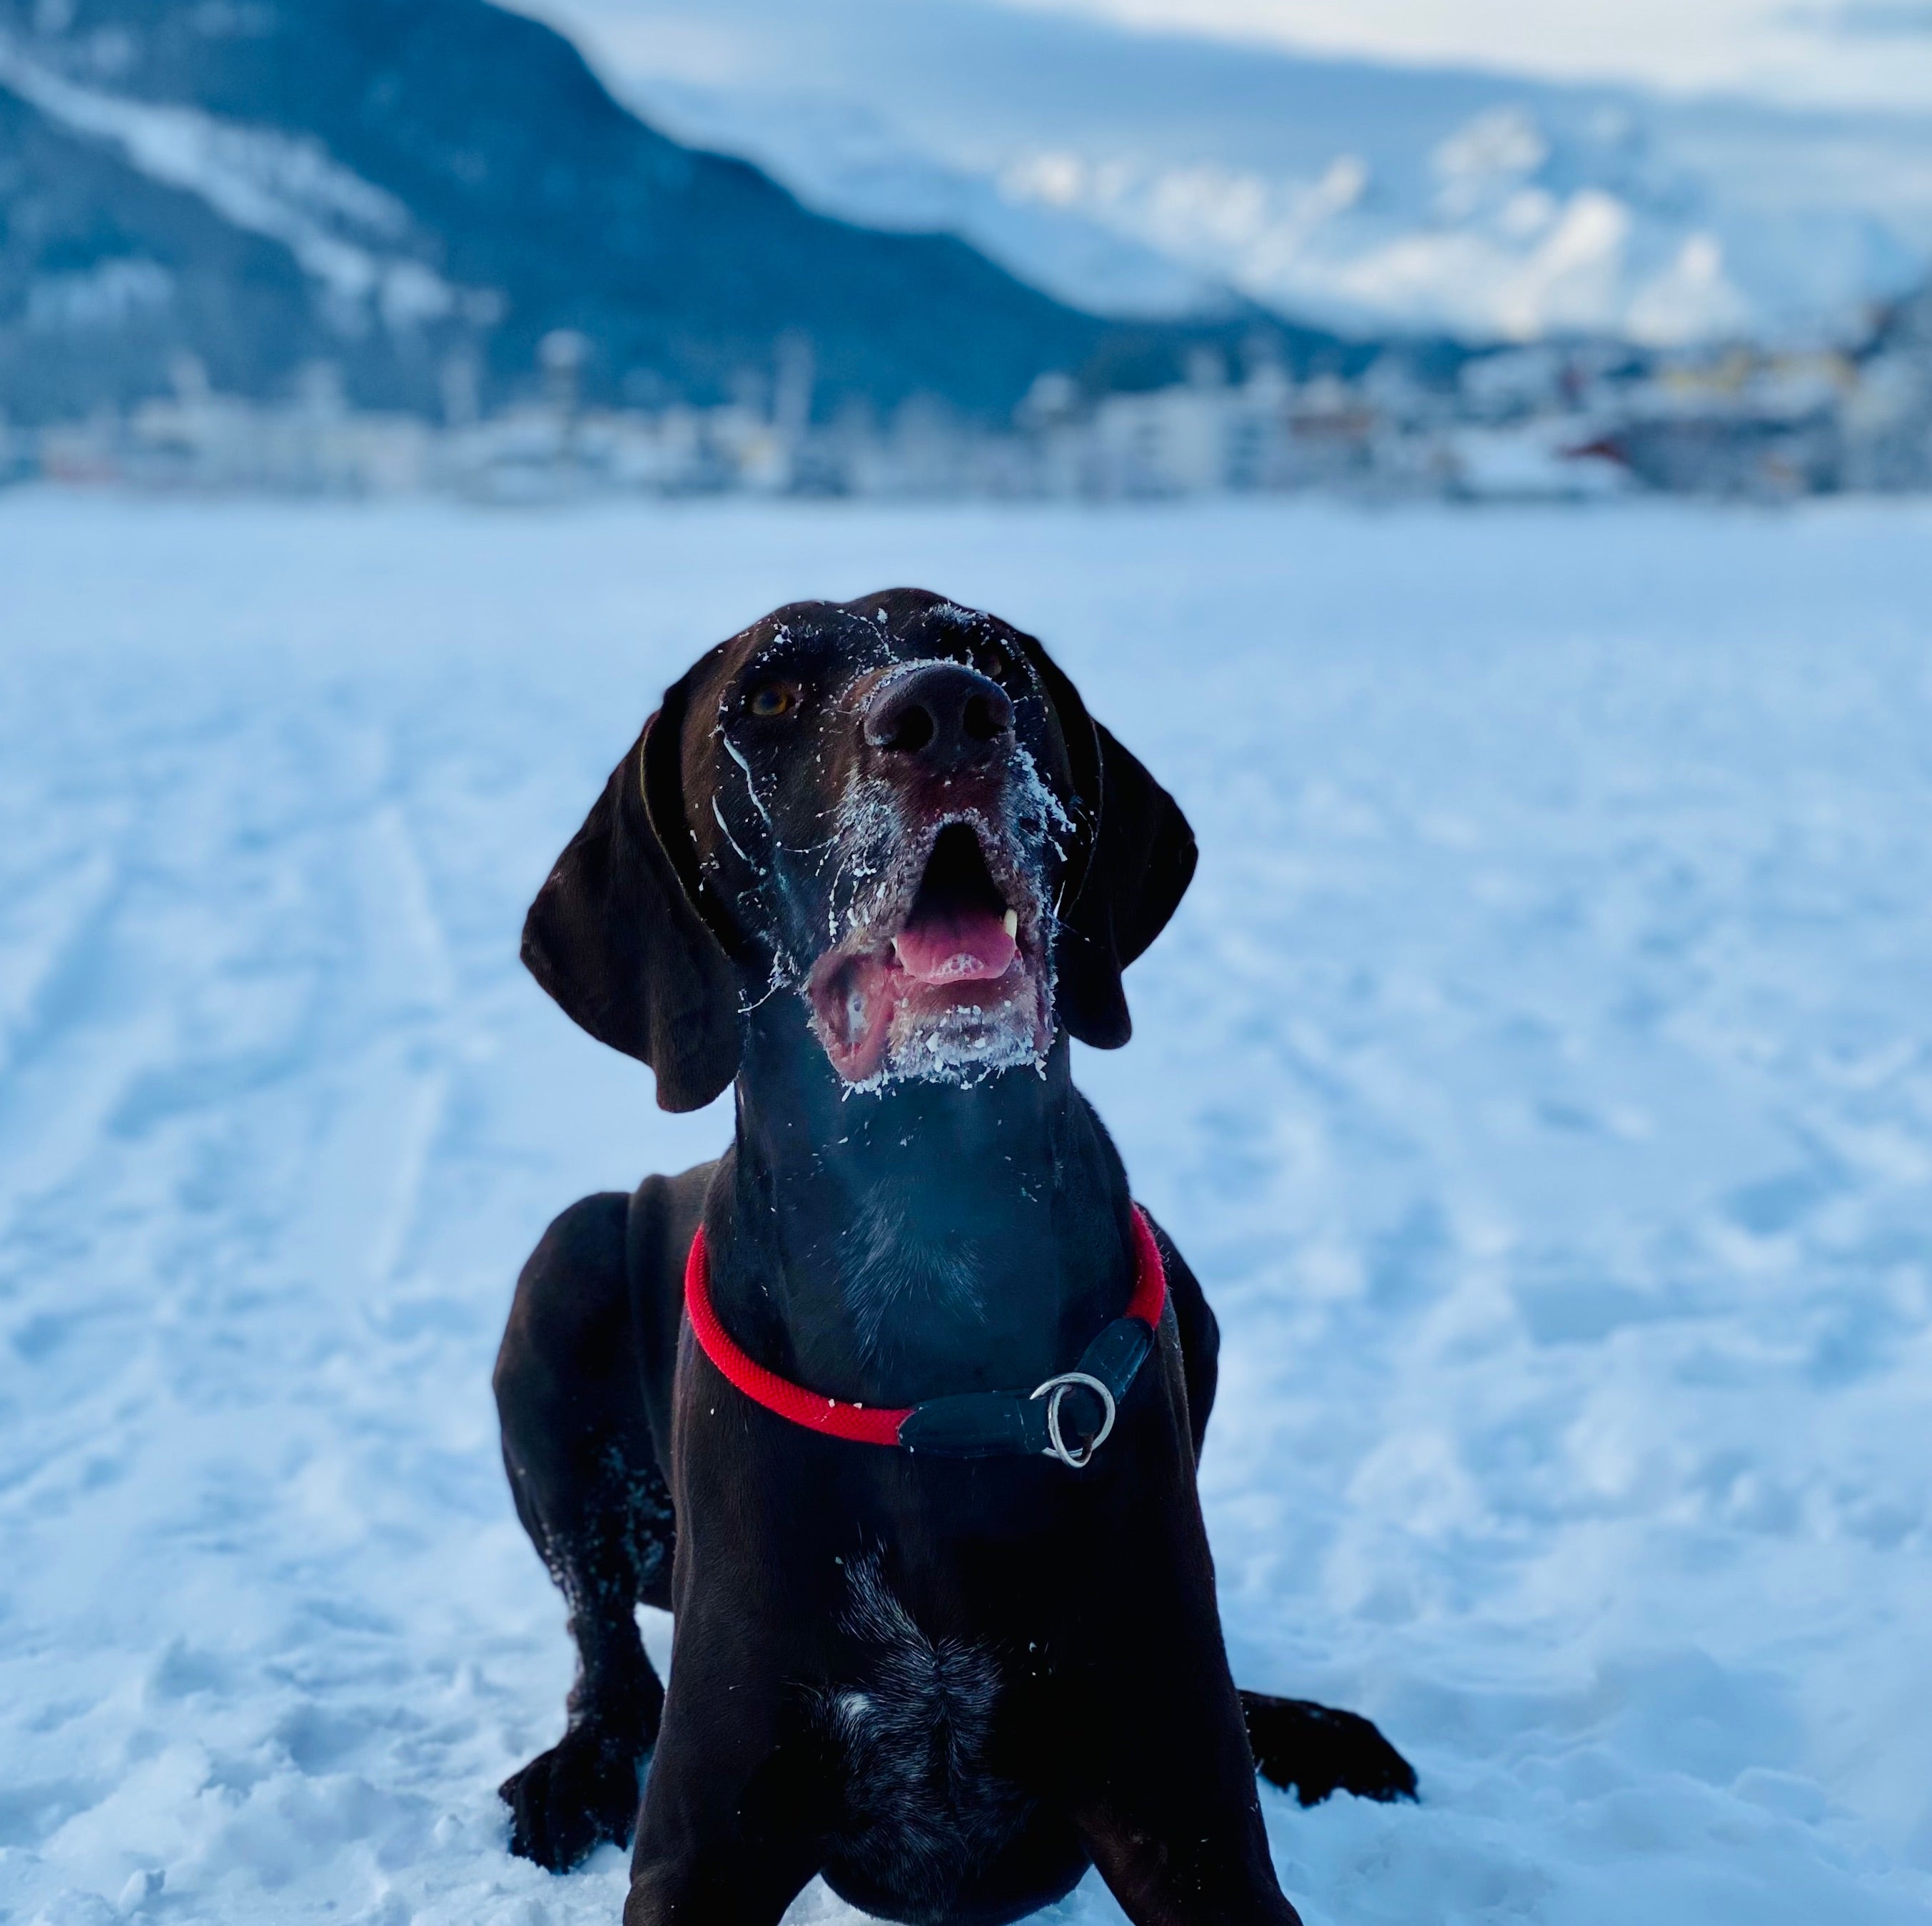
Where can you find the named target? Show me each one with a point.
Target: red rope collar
(865, 1424)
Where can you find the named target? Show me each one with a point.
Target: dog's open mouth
(946, 978)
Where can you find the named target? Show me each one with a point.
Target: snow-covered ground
(1540, 1076)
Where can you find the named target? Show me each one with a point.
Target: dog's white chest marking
(926, 1807)
(923, 1716)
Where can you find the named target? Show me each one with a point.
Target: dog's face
(894, 809)
(885, 810)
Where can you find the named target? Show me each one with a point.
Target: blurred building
(1575, 422)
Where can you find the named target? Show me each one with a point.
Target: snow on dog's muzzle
(944, 974)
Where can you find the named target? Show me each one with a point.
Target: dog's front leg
(733, 1820)
(1173, 1858)
(748, 1881)
(1163, 1781)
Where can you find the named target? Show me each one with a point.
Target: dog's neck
(926, 1238)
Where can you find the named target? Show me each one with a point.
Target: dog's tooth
(1013, 923)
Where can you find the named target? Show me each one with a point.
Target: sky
(1836, 52)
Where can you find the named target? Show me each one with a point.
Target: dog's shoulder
(664, 1215)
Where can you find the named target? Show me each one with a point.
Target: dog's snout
(947, 716)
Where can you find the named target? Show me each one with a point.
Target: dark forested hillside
(400, 186)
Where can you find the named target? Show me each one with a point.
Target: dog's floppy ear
(1137, 861)
(615, 935)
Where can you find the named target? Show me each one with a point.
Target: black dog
(942, 1637)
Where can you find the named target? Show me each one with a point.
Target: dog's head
(894, 809)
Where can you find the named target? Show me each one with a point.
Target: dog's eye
(766, 699)
(987, 659)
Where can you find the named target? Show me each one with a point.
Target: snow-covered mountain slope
(1539, 1076)
(342, 230)
(1354, 194)
(841, 156)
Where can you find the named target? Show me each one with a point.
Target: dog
(897, 1404)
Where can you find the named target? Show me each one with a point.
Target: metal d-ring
(1059, 1386)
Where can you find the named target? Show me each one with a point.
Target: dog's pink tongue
(955, 946)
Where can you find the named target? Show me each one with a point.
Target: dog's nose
(946, 715)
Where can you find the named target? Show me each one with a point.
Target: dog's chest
(925, 1807)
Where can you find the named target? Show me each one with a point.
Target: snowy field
(1540, 1077)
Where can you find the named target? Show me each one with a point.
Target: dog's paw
(1314, 1750)
(567, 1800)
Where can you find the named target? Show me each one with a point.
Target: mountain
(418, 192)
(1157, 173)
